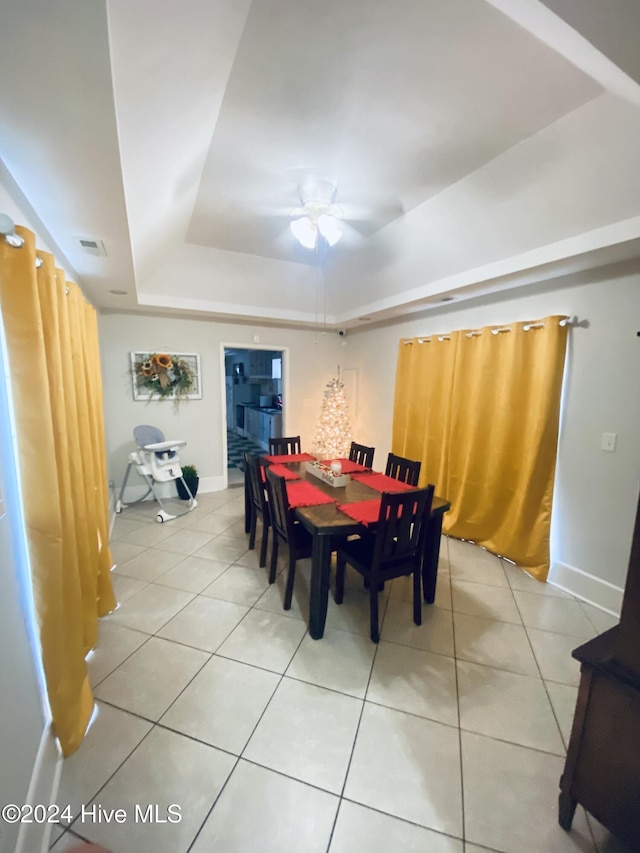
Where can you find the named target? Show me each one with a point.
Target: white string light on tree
(333, 434)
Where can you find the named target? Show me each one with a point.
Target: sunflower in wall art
(163, 375)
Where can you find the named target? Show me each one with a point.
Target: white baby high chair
(157, 461)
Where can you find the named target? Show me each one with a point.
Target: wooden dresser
(602, 768)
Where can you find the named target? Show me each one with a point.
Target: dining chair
(285, 528)
(405, 470)
(259, 504)
(284, 446)
(361, 454)
(394, 550)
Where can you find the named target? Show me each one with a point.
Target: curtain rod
(8, 230)
(474, 333)
(566, 321)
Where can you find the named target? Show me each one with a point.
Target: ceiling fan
(320, 219)
(318, 215)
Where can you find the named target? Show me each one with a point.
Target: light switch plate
(608, 441)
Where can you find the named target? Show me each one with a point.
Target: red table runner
(281, 471)
(382, 483)
(306, 494)
(364, 512)
(348, 467)
(291, 457)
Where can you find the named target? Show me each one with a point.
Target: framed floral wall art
(165, 376)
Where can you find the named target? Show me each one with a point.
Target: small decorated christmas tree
(333, 435)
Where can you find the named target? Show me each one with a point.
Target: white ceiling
(475, 144)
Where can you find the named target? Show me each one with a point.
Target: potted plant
(190, 476)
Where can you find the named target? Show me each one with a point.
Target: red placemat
(348, 467)
(382, 483)
(306, 494)
(291, 457)
(364, 512)
(281, 471)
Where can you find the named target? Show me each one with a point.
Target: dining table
(328, 524)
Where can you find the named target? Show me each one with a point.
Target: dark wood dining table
(327, 524)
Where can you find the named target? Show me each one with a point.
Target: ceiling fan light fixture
(305, 231)
(329, 228)
(318, 213)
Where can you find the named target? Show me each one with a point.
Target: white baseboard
(211, 484)
(43, 789)
(586, 587)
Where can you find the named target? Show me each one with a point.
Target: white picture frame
(144, 395)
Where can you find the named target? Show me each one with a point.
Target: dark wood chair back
(287, 529)
(361, 454)
(281, 515)
(254, 469)
(399, 534)
(405, 470)
(284, 446)
(394, 550)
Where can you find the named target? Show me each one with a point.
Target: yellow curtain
(489, 434)
(423, 403)
(56, 386)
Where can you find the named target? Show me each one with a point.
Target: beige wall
(310, 360)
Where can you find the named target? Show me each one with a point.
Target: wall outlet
(608, 442)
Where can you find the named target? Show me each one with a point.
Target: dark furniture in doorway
(602, 768)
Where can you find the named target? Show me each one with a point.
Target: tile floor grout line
(127, 757)
(135, 714)
(355, 737)
(284, 775)
(357, 731)
(455, 658)
(275, 690)
(213, 805)
(408, 820)
(283, 675)
(157, 724)
(579, 640)
(184, 645)
(195, 739)
(544, 686)
(95, 686)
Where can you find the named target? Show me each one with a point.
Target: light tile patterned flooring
(445, 738)
(237, 446)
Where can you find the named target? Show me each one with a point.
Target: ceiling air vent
(91, 246)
